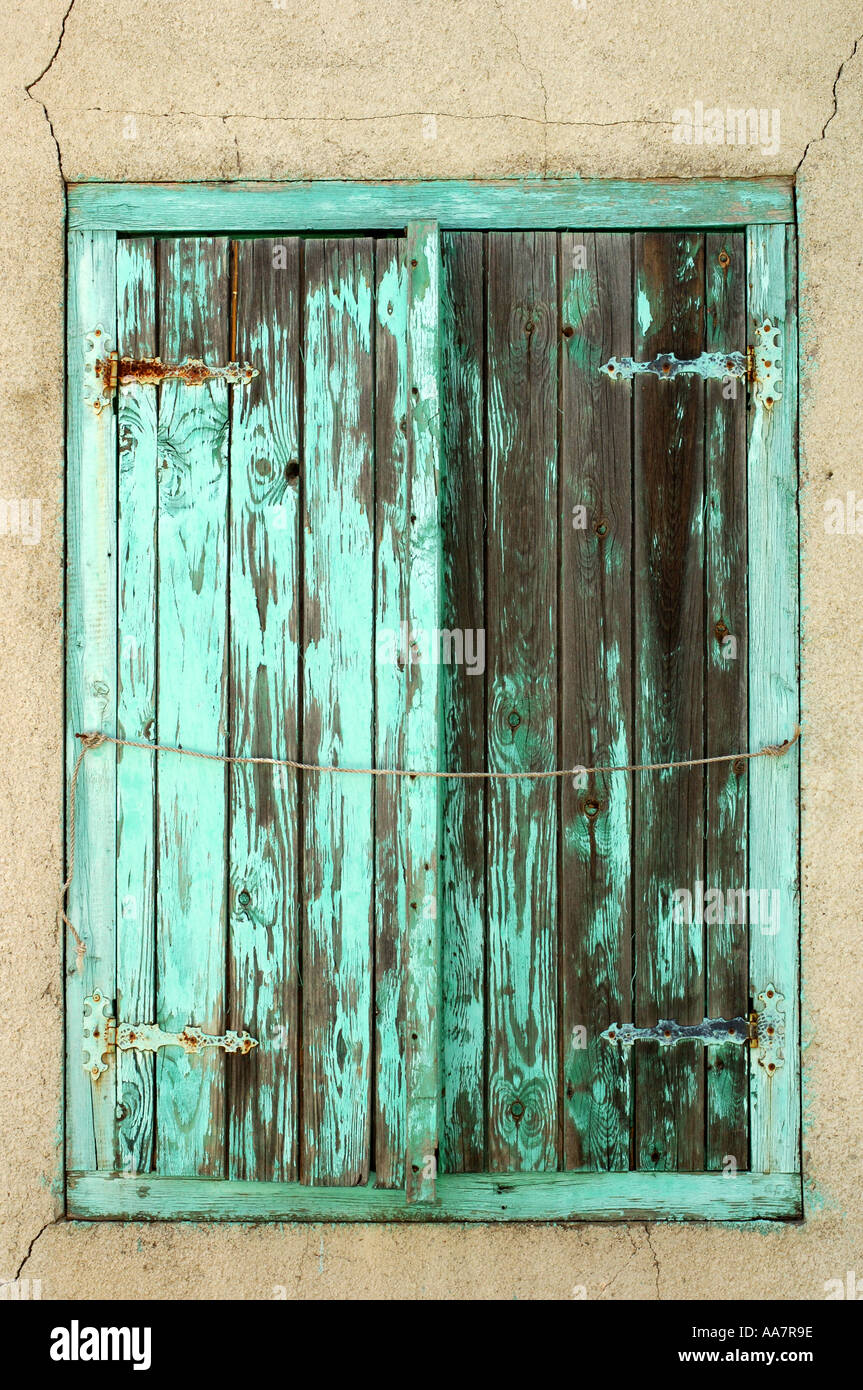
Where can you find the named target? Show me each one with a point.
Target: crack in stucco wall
(816, 139)
(530, 71)
(4, 1283)
(36, 80)
(291, 119)
(655, 1259)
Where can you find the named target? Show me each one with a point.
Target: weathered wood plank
(463, 702)
(522, 710)
(91, 682)
(337, 657)
(392, 529)
(424, 729)
(194, 292)
(726, 958)
(463, 1197)
(471, 205)
(669, 651)
(774, 618)
(264, 923)
(596, 693)
(137, 513)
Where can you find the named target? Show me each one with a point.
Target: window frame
(764, 209)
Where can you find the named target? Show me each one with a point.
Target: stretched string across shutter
(89, 741)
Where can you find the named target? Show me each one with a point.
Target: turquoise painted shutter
(428, 966)
(603, 532)
(270, 538)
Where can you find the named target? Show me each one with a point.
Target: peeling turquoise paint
(645, 317)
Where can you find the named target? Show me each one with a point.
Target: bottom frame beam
(545, 1197)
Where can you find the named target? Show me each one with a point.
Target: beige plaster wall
(344, 88)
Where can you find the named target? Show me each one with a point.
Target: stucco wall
(346, 88)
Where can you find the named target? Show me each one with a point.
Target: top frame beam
(519, 203)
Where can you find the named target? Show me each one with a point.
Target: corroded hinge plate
(768, 1023)
(763, 1030)
(112, 371)
(765, 364)
(760, 365)
(102, 1033)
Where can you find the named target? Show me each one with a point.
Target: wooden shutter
(248, 588)
(427, 965)
(604, 533)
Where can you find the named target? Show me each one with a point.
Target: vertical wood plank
(521, 608)
(91, 681)
(423, 740)
(669, 652)
(137, 423)
(463, 703)
(596, 696)
(263, 701)
(774, 696)
(338, 632)
(726, 960)
(391, 531)
(194, 292)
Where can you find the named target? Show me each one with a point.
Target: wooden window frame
(764, 210)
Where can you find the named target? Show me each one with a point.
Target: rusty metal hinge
(111, 370)
(763, 1030)
(152, 371)
(102, 1033)
(760, 366)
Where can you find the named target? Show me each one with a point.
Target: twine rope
(92, 740)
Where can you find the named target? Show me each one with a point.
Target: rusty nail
(724, 259)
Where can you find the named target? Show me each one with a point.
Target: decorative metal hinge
(760, 366)
(763, 1030)
(102, 1033)
(113, 371)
